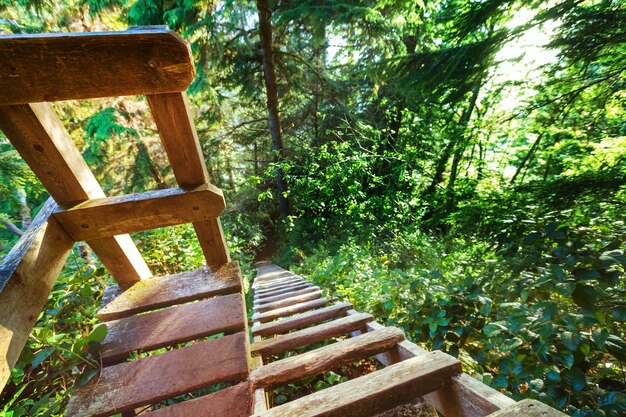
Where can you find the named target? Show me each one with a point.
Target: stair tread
(171, 326)
(146, 381)
(262, 289)
(271, 298)
(267, 306)
(299, 286)
(165, 291)
(230, 402)
(301, 320)
(310, 335)
(289, 310)
(375, 392)
(329, 357)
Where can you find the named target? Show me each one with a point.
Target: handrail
(49, 67)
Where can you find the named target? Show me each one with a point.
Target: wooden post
(41, 139)
(26, 277)
(179, 137)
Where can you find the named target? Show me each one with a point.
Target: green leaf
(494, 329)
(570, 340)
(98, 334)
(41, 356)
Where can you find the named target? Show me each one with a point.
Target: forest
(457, 168)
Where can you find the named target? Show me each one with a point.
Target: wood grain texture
(278, 283)
(376, 392)
(145, 381)
(310, 335)
(289, 310)
(291, 288)
(41, 139)
(69, 66)
(329, 357)
(154, 330)
(463, 397)
(301, 320)
(275, 278)
(272, 298)
(230, 402)
(26, 278)
(165, 291)
(105, 217)
(528, 408)
(262, 307)
(172, 116)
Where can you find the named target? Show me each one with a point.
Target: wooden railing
(37, 69)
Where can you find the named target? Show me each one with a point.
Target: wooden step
(280, 286)
(272, 298)
(262, 307)
(315, 334)
(301, 286)
(154, 330)
(528, 408)
(230, 402)
(159, 292)
(329, 357)
(289, 310)
(301, 320)
(259, 284)
(146, 381)
(374, 393)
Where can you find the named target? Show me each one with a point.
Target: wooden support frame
(26, 278)
(172, 117)
(52, 67)
(103, 217)
(41, 139)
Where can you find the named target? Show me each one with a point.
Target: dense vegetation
(455, 167)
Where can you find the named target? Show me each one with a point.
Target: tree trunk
(11, 227)
(27, 218)
(271, 88)
(527, 157)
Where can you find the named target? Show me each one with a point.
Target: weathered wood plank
(145, 381)
(174, 122)
(315, 334)
(528, 408)
(301, 320)
(150, 331)
(329, 357)
(104, 217)
(169, 290)
(287, 301)
(26, 278)
(277, 283)
(41, 139)
(376, 392)
(284, 290)
(230, 402)
(289, 310)
(273, 279)
(463, 397)
(272, 298)
(69, 66)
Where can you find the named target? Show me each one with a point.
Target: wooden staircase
(184, 338)
(411, 373)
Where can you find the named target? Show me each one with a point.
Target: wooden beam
(70, 66)
(103, 217)
(41, 139)
(464, 396)
(174, 122)
(374, 393)
(310, 335)
(260, 308)
(166, 291)
(301, 320)
(289, 310)
(127, 386)
(26, 278)
(529, 408)
(323, 359)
